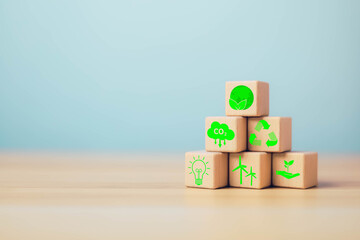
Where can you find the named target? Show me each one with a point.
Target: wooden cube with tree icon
(247, 98)
(206, 169)
(250, 169)
(295, 169)
(225, 134)
(269, 134)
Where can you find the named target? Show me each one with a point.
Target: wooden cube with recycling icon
(206, 169)
(250, 169)
(225, 134)
(247, 98)
(269, 134)
(295, 169)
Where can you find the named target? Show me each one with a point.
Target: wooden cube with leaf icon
(250, 169)
(206, 169)
(247, 98)
(225, 134)
(295, 169)
(269, 134)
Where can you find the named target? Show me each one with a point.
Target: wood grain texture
(142, 196)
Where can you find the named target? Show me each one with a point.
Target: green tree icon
(220, 132)
(241, 98)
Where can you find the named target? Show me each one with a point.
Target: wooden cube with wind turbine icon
(250, 169)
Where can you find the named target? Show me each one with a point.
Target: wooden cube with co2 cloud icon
(225, 134)
(295, 169)
(247, 98)
(269, 134)
(206, 169)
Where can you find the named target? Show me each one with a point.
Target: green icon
(262, 124)
(198, 168)
(241, 98)
(220, 132)
(286, 173)
(252, 175)
(253, 141)
(272, 141)
(243, 169)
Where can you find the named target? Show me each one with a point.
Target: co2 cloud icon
(220, 132)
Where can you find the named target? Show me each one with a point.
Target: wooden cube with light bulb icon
(206, 169)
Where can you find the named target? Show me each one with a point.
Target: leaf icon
(286, 163)
(242, 104)
(291, 162)
(233, 104)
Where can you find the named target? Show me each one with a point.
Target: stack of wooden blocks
(247, 148)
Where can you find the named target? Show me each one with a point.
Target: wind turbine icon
(242, 168)
(252, 175)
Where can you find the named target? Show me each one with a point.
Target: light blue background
(143, 75)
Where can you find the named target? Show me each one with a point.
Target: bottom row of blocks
(250, 169)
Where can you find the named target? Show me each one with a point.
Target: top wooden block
(247, 98)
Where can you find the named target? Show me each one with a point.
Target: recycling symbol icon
(262, 124)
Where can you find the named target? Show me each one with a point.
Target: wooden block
(250, 169)
(206, 169)
(247, 98)
(225, 134)
(269, 134)
(295, 169)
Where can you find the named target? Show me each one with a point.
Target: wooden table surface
(142, 196)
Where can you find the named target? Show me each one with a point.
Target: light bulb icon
(198, 168)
